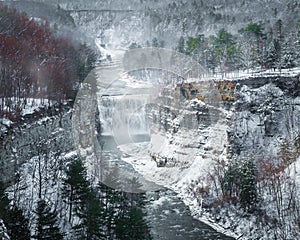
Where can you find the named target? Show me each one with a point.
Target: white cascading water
(123, 116)
(121, 101)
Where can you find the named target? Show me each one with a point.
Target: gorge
(210, 146)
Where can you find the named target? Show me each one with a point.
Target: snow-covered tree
(248, 191)
(288, 54)
(239, 182)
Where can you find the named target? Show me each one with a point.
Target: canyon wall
(36, 134)
(250, 117)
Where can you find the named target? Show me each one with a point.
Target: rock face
(188, 126)
(189, 123)
(266, 112)
(35, 135)
(222, 118)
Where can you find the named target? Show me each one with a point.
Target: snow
(295, 173)
(27, 105)
(3, 231)
(249, 74)
(198, 159)
(5, 122)
(177, 177)
(51, 179)
(70, 155)
(104, 52)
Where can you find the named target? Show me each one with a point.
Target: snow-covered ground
(195, 164)
(42, 175)
(189, 154)
(250, 73)
(26, 105)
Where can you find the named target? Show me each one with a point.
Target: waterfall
(124, 117)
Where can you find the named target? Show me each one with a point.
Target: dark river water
(168, 216)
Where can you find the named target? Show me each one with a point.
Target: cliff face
(36, 135)
(266, 112)
(198, 131)
(203, 121)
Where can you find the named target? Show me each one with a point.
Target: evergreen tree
(93, 223)
(4, 202)
(76, 187)
(132, 226)
(134, 193)
(253, 33)
(113, 202)
(229, 182)
(84, 203)
(14, 220)
(271, 58)
(155, 42)
(288, 55)
(4, 206)
(192, 44)
(17, 225)
(131, 223)
(248, 191)
(224, 48)
(46, 228)
(240, 181)
(180, 48)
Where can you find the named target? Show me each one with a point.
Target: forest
(37, 64)
(254, 47)
(55, 198)
(77, 209)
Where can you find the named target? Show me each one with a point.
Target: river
(120, 104)
(168, 216)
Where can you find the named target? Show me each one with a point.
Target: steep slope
(116, 21)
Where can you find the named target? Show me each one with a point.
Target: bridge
(100, 10)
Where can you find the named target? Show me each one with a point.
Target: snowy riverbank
(176, 179)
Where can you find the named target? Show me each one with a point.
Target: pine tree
(93, 222)
(253, 34)
(17, 225)
(4, 206)
(192, 44)
(4, 202)
(288, 55)
(132, 226)
(240, 181)
(84, 203)
(46, 228)
(224, 48)
(229, 184)
(131, 223)
(180, 48)
(76, 187)
(248, 192)
(272, 57)
(14, 220)
(112, 201)
(155, 42)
